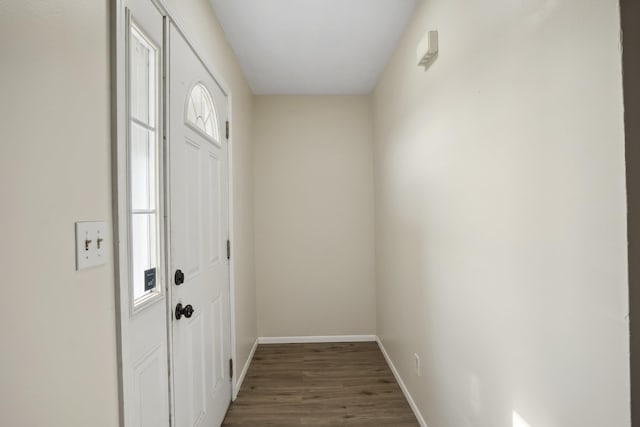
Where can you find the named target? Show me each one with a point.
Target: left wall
(58, 362)
(58, 359)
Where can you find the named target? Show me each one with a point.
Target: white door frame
(119, 123)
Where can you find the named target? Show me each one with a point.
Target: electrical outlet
(416, 360)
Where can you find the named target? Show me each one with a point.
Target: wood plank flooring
(319, 385)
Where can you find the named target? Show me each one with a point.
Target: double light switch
(90, 244)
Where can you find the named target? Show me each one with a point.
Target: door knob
(186, 311)
(178, 278)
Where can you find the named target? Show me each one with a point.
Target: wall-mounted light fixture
(427, 50)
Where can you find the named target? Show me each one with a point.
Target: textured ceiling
(313, 46)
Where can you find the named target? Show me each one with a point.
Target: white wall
(500, 201)
(197, 19)
(314, 215)
(58, 362)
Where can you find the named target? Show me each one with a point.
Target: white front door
(198, 183)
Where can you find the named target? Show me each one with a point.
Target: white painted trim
(312, 339)
(231, 237)
(238, 384)
(120, 265)
(403, 387)
(167, 183)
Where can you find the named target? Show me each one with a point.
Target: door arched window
(201, 113)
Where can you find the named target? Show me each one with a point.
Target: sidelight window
(143, 161)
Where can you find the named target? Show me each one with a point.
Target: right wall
(501, 215)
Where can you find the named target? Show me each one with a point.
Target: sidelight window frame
(152, 208)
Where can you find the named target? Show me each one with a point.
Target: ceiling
(297, 47)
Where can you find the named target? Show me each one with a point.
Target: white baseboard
(238, 383)
(404, 389)
(312, 339)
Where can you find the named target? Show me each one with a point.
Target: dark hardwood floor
(319, 385)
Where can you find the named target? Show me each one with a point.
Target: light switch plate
(91, 243)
